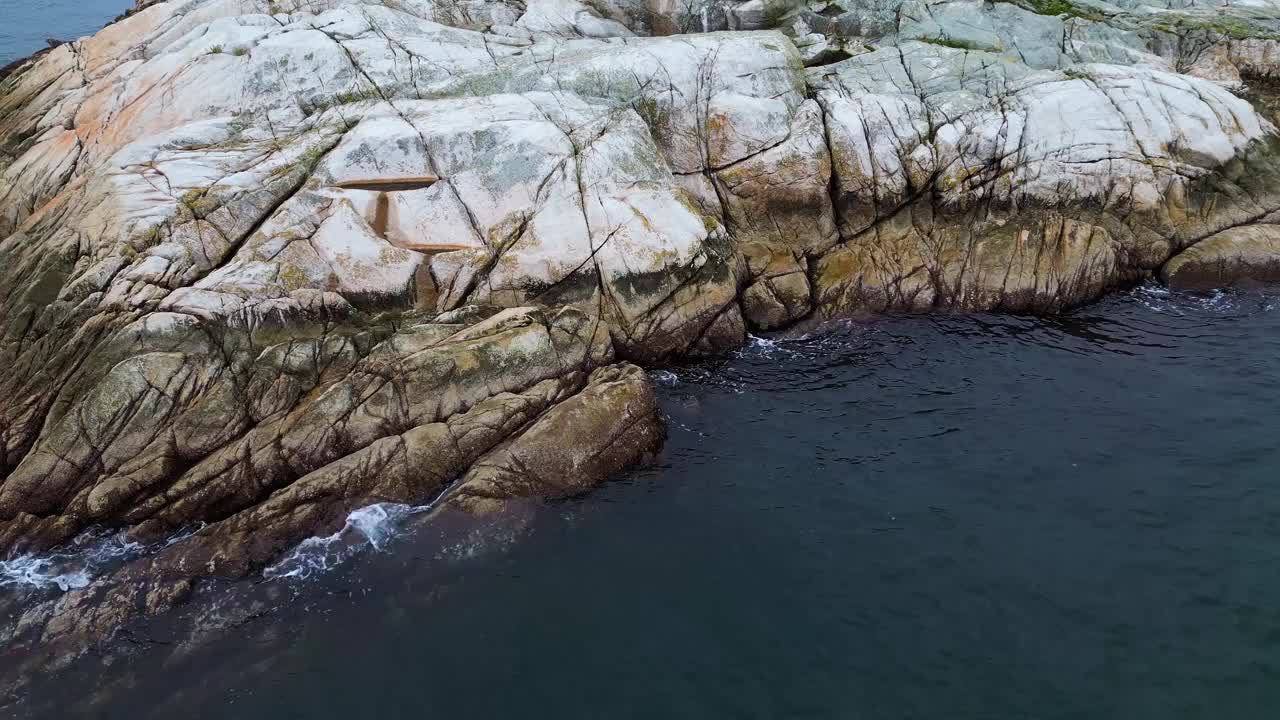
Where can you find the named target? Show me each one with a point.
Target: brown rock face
(1245, 255)
(259, 447)
(571, 447)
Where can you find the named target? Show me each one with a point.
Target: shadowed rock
(386, 185)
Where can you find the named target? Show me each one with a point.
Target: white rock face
(981, 128)
(560, 189)
(579, 163)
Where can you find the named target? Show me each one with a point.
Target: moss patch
(1225, 26)
(1059, 8)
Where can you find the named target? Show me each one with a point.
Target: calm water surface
(923, 517)
(24, 24)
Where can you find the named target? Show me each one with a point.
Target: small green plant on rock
(197, 203)
(238, 124)
(1059, 8)
(654, 115)
(358, 95)
(215, 50)
(950, 43)
(1229, 27)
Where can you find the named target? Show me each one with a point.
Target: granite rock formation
(265, 262)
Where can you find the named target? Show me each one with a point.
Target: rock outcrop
(265, 262)
(1243, 255)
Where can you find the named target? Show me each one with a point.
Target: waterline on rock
(872, 472)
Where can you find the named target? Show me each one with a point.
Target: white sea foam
(763, 347)
(665, 378)
(840, 331)
(368, 527)
(69, 568)
(477, 542)
(41, 573)
(1160, 299)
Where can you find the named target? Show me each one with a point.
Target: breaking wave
(368, 527)
(665, 378)
(762, 347)
(75, 566)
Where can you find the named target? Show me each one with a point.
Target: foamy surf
(41, 574)
(84, 559)
(665, 378)
(372, 526)
(1160, 299)
(762, 347)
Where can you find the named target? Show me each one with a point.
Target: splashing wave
(72, 567)
(372, 526)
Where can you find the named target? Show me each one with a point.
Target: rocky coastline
(265, 263)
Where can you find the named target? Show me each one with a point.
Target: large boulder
(1246, 255)
(965, 179)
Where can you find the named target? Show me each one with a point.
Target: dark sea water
(961, 517)
(24, 24)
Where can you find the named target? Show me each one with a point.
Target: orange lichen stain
(112, 121)
(53, 203)
(136, 120)
(89, 117)
(112, 42)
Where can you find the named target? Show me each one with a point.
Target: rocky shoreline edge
(265, 263)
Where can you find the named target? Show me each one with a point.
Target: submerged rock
(265, 262)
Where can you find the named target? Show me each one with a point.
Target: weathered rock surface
(964, 179)
(1239, 256)
(265, 262)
